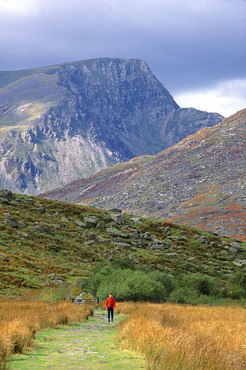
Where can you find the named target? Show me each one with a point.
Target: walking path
(89, 345)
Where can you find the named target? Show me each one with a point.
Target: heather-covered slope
(49, 243)
(65, 122)
(200, 181)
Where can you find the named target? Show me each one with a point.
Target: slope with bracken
(68, 121)
(200, 181)
(48, 243)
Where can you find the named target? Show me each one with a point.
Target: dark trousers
(110, 310)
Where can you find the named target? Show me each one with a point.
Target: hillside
(200, 181)
(47, 243)
(68, 121)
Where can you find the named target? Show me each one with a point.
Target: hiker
(110, 305)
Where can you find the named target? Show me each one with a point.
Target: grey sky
(197, 48)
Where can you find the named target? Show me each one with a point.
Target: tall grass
(186, 337)
(19, 321)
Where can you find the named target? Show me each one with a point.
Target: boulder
(133, 258)
(64, 219)
(133, 235)
(7, 195)
(123, 246)
(118, 218)
(41, 229)
(136, 220)
(40, 208)
(243, 262)
(237, 264)
(237, 246)
(116, 210)
(80, 223)
(156, 246)
(11, 222)
(90, 222)
(91, 236)
(232, 250)
(101, 225)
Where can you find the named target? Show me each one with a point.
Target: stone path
(89, 345)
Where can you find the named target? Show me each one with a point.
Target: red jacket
(110, 302)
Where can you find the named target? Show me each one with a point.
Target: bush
(237, 284)
(131, 285)
(203, 285)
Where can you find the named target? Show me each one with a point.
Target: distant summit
(200, 181)
(68, 121)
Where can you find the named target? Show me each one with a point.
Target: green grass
(90, 345)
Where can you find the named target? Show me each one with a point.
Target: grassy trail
(89, 345)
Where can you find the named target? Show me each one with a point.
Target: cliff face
(200, 181)
(65, 122)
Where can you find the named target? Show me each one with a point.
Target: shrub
(237, 284)
(130, 285)
(203, 284)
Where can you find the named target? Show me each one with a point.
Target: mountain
(48, 243)
(200, 181)
(68, 121)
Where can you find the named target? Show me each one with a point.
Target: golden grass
(19, 321)
(186, 337)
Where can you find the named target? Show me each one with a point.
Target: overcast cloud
(197, 48)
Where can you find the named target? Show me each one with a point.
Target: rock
(242, 262)
(237, 264)
(147, 236)
(40, 208)
(232, 250)
(123, 246)
(64, 219)
(156, 246)
(116, 210)
(57, 282)
(23, 235)
(133, 235)
(92, 236)
(224, 253)
(237, 246)
(56, 227)
(101, 225)
(7, 195)
(136, 220)
(22, 224)
(41, 229)
(80, 223)
(11, 222)
(118, 218)
(172, 254)
(90, 222)
(133, 258)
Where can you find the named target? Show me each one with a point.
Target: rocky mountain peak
(68, 121)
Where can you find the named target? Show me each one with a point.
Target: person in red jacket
(110, 306)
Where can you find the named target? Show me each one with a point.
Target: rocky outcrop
(65, 122)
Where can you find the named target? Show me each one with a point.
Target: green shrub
(237, 284)
(203, 284)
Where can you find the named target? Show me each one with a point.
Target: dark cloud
(187, 44)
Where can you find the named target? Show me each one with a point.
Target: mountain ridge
(68, 121)
(199, 181)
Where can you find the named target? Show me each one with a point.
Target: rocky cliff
(200, 181)
(68, 121)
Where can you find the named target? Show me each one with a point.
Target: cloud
(189, 45)
(17, 7)
(226, 98)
